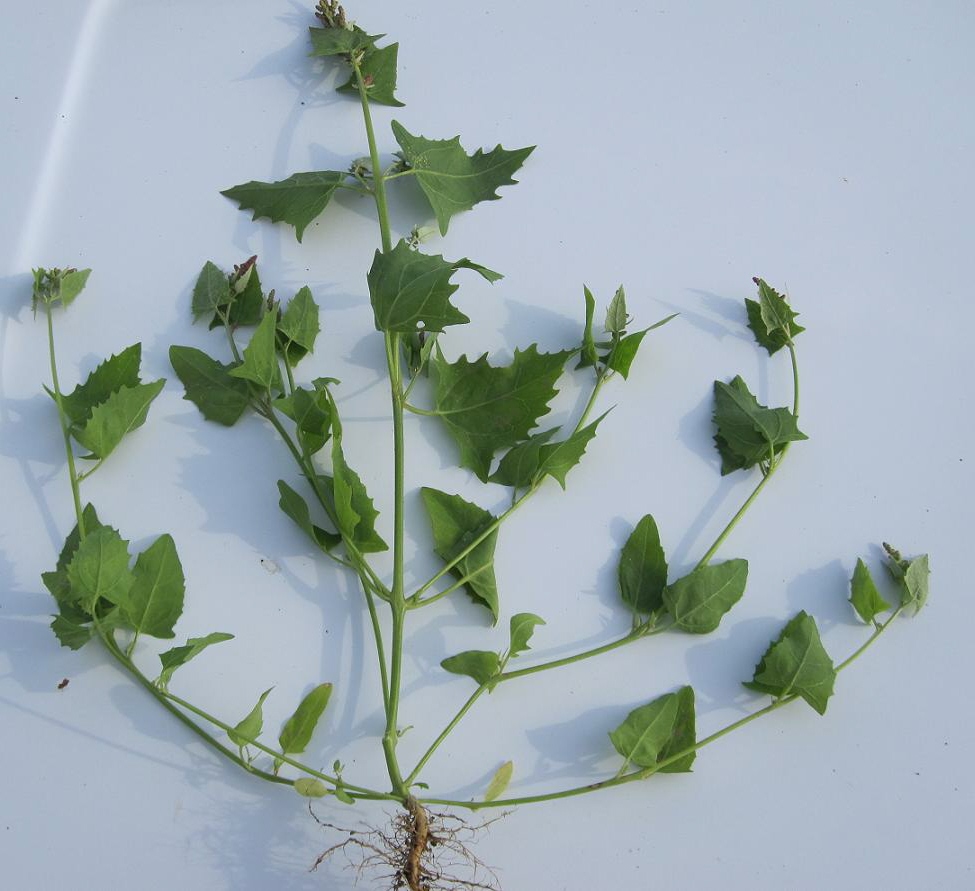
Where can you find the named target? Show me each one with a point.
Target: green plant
(490, 411)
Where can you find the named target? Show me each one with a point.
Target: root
(421, 851)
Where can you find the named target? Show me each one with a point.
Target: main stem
(63, 420)
(397, 601)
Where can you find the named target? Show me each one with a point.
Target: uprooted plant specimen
(494, 413)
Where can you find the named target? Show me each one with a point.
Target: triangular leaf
(646, 730)
(410, 290)
(912, 575)
(558, 458)
(748, 432)
(120, 414)
(179, 656)
(456, 523)
(378, 68)
(481, 665)
(57, 581)
(70, 633)
(864, 595)
(522, 627)
(499, 782)
(487, 407)
(296, 200)
(299, 326)
(643, 569)
(209, 386)
(698, 601)
(155, 600)
(260, 365)
(797, 664)
(249, 729)
(311, 410)
(683, 737)
(298, 729)
(108, 378)
(211, 291)
(520, 464)
(100, 570)
(451, 179)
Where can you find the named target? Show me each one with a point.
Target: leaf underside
(698, 601)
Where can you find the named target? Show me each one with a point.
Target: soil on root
(420, 850)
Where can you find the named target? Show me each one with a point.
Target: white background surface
(682, 149)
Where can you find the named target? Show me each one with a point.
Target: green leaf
(616, 315)
(499, 782)
(410, 290)
(522, 629)
(249, 729)
(109, 377)
(298, 729)
(121, 413)
(100, 570)
(771, 319)
(209, 386)
(519, 466)
(311, 410)
(683, 737)
(643, 569)
(646, 731)
(211, 291)
(299, 326)
(354, 509)
(558, 458)
(587, 354)
(796, 664)
(57, 285)
(487, 408)
(343, 796)
(247, 304)
(179, 656)
(72, 284)
(456, 523)
(296, 200)
(309, 787)
(155, 600)
(451, 179)
(297, 508)
(698, 601)
(71, 634)
(340, 41)
(481, 665)
(57, 581)
(747, 432)
(532, 459)
(864, 595)
(260, 365)
(912, 575)
(378, 68)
